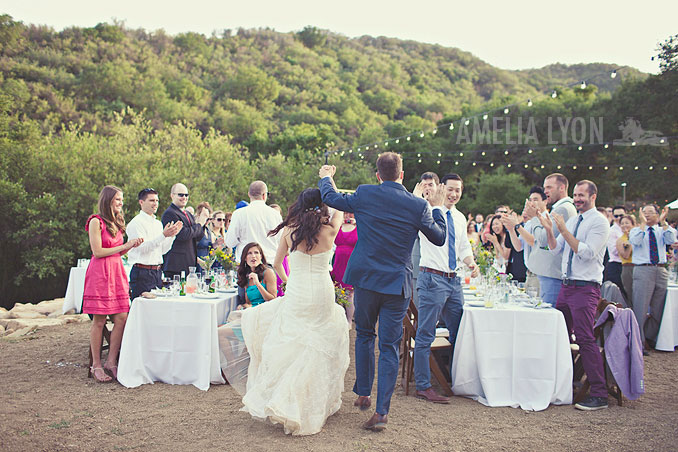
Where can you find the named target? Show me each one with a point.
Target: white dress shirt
(155, 243)
(252, 224)
(587, 262)
(615, 233)
(640, 240)
(438, 257)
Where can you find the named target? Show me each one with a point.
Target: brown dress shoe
(363, 402)
(376, 423)
(432, 396)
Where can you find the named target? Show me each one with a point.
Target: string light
(508, 165)
(559, 167)
(554, 149)
(661, 141)
(451, 126)
(485, 117)
(651, 168)
(461, 154)
(491, 163)
(580, 148)
(605, 168)
(434, 131)
(526, 166)
(606, 146)
(529, 151)
(583, 84)
(529, 102)
(506, 152)
(456, 162)
(590, 167)
(613, 74)
(635, 168)
(554, 94)
(408, 138)
(421, 134)
(506, 111)
(439, 154)
(574, 167)
(438, 162)
(621, 168)
(397, 140)
(467, 122)
(474, 163)
(633, 143)
(482, 153)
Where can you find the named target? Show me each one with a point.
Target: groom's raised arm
(433, 225)
(334, 199)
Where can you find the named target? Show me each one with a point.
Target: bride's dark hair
(305, 218)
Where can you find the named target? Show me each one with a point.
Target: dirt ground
(47, 403)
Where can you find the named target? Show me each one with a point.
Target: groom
(380, 270)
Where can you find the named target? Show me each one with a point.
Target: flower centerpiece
(484, 259)
(225, 259)
(206, 262)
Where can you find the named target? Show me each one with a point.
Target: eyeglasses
(219, 219)
(182, 195)
(502, 211)
(619, 215)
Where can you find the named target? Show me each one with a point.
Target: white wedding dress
(291, 366)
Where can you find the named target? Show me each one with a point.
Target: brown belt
(628, 265)
(149, 267)
(438, 272)
(647, 265)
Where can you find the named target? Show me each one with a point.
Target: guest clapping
(106, 291)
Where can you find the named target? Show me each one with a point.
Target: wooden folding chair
(580, 383)
(409, 335)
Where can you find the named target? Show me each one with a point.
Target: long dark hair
(114, 222)
(305, 218)
(244, 268)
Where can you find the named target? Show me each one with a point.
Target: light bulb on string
(542, 166)
(485, 117)
(419, 160)
(385, 143)
(559, 167)
(554, 149)
(580, 148)
(651, 168)
(508, 165)
(451, 126)
(397, 140)
(438, 162)
(606, 146)
(529, 151)
(633, 143)
(474, 163)
(434, 131)
(529, 102)
(482, 153)
(661, 141)
(574, 167)
(665, 168)
(467, 122)
(421, 134)
(408, 138)
(358, 148)
(605, 168)
(621, 168)
(456, 162)
(613, 74)
(461, 154)
(350, 151)
(506, 152)
(506, 111)
(583, 84)
(635, 168)
(554, 94)
(418, 155)
(526, 165)
(491, 163)
(590, 167)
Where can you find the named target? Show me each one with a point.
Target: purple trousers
(578, 305)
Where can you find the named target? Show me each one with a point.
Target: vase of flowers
(225, 259)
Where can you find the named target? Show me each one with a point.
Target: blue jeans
(390, 310)
(438, 296)
(549, 289)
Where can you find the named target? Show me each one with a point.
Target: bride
(288, 356)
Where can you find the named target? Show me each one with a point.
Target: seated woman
(255, 276)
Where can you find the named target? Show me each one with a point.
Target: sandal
(112, 371)
(106, 378)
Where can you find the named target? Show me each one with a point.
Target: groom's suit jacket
(388, 218)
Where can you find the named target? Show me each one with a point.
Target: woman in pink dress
(106, 287)
(345, 242)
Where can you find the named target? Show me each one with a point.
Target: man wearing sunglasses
(146, 259)
(613, 268)
(184, 249)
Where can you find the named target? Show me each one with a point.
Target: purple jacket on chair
(624, 351)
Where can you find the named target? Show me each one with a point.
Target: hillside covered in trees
(85, 107)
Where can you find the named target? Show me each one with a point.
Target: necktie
(654, 253)
(569, 258)
(450, 241)
(187, 217)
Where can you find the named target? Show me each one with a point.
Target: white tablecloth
(518, 357)
(76, 287)
(173, 340)
(667, 339)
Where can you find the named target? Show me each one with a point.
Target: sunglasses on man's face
(619, 216)
(219, 219)
(182, 195)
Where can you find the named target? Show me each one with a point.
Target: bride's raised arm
(281, 252)
(336, 218)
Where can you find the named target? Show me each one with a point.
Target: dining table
(515, 355)
(667, 338)
(76, 286)
(174, 340)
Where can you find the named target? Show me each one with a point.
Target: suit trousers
(143, 280)
(578, 305)
(649, 294)
(389, 310)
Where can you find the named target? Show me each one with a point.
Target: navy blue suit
(388, 218)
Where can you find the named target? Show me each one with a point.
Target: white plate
(160, 294)
(476, 303)
(206, 296)
(227, 290)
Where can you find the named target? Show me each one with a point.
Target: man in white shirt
(252, 224)
(438, 286)
(613, 268)
(146, 259)
(583, 241)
